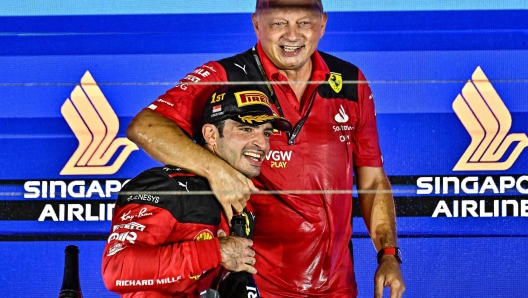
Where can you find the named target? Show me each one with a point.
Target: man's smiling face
(289, 31)
(244, 146)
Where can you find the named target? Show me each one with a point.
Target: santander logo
(341, 117)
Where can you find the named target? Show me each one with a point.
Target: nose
(260, 140)
(292, 32)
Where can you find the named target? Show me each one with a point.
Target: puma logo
(184, 185)
(243, 68)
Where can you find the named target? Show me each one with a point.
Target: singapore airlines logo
(95, 125)
(488, 122)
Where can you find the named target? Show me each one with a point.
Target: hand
(232, 189)
(389, 275)
(236, 252)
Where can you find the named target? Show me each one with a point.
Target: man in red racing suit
(163, 239)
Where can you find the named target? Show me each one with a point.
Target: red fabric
(184, 103)
(389, 251)
(181, 174)
(159, 255)
(301, 239)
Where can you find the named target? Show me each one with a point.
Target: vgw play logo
(95, 125)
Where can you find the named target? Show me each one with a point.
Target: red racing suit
(334, 130)
(163, 238)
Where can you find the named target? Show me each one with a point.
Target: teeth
(290, 49)
(253, 155)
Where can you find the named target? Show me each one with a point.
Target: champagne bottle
(238, 284)
(71, 285)
(210, 293)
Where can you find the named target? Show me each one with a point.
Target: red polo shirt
(302, 235)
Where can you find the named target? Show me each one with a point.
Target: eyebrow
(240, 124)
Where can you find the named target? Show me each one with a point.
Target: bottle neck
(71, 286)
(238, 226)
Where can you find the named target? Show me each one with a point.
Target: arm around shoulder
(163, 140)
(160, 137)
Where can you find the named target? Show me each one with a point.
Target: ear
(255, 20)
(210, 134)
(323, 24)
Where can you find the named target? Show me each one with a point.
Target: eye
(268, 134)
(278, 24)
(246, 129)
(305, 24)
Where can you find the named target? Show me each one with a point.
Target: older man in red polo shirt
(302, 241)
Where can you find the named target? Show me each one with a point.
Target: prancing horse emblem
(336, 81)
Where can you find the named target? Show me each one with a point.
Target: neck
(210, 148)
(299, 78)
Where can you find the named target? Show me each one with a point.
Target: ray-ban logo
(95, 125)
(488, 122)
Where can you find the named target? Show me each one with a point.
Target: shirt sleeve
(184, 103)
(136, 259)
(367, 151)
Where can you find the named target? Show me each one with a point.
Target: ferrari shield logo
(336, 81)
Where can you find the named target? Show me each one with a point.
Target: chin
(251, 173)
(294, 64)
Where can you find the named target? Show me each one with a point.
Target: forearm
(165, 142)
(179, 264)
(137, 250)
(377, 206)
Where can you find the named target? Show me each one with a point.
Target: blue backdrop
(418, 58)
